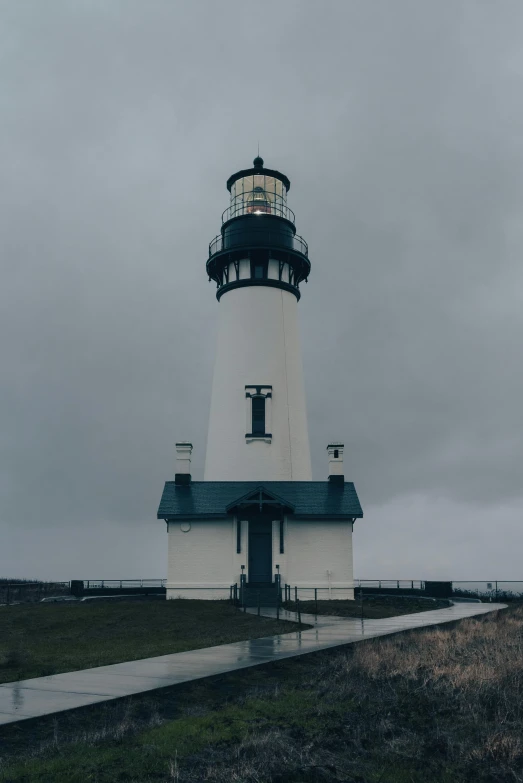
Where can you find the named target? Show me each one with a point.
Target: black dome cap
(258, 169)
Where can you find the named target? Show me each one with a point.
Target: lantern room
(258, 191)
(258, 244)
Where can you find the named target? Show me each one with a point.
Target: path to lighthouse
(47, 695)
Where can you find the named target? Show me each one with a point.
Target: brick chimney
(335, 451)
(183, 462)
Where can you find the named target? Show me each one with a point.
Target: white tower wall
(258, 344)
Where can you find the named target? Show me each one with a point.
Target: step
(252, 601)
(267, 596)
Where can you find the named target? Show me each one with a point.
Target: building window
(336, 453)
(258, 270)
(258, 416)
(282, 548)
(258, 412)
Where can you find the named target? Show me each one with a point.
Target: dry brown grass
(447, 693)
(440, 704)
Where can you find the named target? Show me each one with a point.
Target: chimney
(335, 451)
(183, 462)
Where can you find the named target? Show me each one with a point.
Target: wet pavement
(47, 695)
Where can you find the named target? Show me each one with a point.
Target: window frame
(263, 265)
(257, 391)
(258, 414)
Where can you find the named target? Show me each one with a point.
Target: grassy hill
(436, 704)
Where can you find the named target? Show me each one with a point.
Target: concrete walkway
(47, 695)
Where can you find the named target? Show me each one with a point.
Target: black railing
(391, 584)
(28, 592)
(495, 590)
(260, 239)
(121, 584)
(252, 204)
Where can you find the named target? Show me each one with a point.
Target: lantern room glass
(258, 194)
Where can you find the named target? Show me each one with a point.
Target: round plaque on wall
(185, 527)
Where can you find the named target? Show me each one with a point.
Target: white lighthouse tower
(258, 422)
(257, 523)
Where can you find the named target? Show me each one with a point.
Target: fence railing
(391, 584)
(31, 592)
(501, 590)
(121, 584)
(250, 204)
(295, 593)
(234, 240)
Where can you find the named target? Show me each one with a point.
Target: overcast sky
(400, 126)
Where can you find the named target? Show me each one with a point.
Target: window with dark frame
(258, 415)
(258, 412)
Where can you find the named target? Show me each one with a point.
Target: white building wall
(204, 557)
(258, 342)
(312, 550)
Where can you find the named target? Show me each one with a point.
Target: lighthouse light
(258, 202)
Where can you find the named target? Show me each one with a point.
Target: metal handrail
(403, 584)
(6, 583)
(495, 589)
(247, 206)
(97, 584)
(298, 243)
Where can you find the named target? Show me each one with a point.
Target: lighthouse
(258, 421)
(258, 524)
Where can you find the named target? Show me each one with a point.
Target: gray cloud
(400, 126)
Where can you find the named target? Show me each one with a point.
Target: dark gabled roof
(262, 496)
(210, 499)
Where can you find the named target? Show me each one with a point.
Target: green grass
(42, 639)
(437, 704)
(373, 607)
(150, 753)
(413, 708)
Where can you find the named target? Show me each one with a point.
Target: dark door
(260, 550)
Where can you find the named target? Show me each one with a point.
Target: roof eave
(170, 517)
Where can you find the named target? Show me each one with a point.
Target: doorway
(260, 549)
